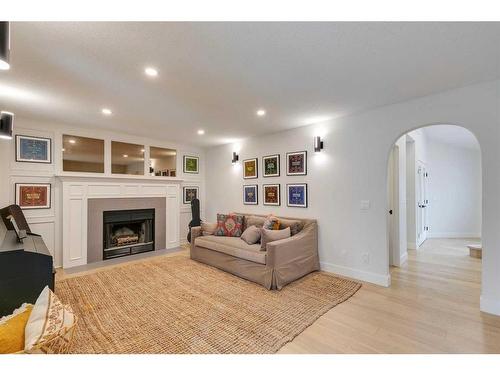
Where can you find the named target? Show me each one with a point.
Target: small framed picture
(271, 166)
(191, 164)
(33, 149)
(250, 194)
(33, 196)
(296, 195)
(272, 195)
(189, 193)
(296, 163)
(250, 168)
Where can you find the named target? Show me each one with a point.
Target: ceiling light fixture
(152, 72)
(125, 155)
(72, 141)
(4, 45)
(201, 132)
(107, 111)
(6, 125)
(142, 150)
(261, 112)
(63, 149)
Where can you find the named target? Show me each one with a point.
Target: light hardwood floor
(432, 306)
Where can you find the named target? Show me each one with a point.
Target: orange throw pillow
(12, 331)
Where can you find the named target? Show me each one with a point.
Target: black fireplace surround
(128, 232)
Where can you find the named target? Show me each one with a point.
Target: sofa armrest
(293, 249)
(195, 232)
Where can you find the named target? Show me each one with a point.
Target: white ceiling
(451, 134)
(215, 75)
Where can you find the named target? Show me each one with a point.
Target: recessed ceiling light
(261, 112)
(152, 72)
(201, 132)
(142, 150)
(107, 111)
(125, 155)
(63, 149)
(72, 141)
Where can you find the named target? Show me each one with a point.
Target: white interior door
(422, 203)
(393, 214)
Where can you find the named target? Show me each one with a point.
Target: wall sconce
(4, 45)
(318, 144)
(6, 125)
(235, 157)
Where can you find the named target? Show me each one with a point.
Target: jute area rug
(177, 305)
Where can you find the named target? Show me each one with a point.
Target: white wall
(454, 190)
(47, 221)
(353, 167)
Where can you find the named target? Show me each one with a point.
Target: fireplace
(128, 232)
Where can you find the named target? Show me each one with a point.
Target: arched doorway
(434, 192)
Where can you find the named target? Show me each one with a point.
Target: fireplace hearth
(128, 232)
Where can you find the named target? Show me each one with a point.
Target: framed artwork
(271, 166)
(250, 194)
(250, 168)
(33, 149)
(33, 196)
(272, 195)
(191, 164)
(296, 195)
(189, 193)
(296, 163)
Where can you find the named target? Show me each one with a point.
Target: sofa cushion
(272, 235)
(272, 223)
(229, 225)
(233, 246)
(251, 235)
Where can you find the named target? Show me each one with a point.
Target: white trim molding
(75, 194)
(489, 306)
(353, 273)
(403, 259)
(453, 235)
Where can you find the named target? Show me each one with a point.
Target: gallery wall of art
(37, 182)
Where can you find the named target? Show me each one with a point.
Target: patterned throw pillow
(48, 318)
(271, 223)
(229, 225)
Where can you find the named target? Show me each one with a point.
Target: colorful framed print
(296, 195)
(271, 166)
(33, 149)
(189, 193)
(33, 196)
(250, 168)
(272, 195)
(296, 163)
(250, 194)
(191, 164)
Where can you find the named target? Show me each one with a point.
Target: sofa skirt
(258, 273)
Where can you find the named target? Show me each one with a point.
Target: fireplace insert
(128, 232)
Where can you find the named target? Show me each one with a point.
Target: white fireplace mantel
(76, 190)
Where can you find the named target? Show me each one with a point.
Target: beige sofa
(282, 262)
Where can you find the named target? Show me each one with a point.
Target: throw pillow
(229, 225)
(294, 225)
(271, 223)
(48, 318)
(258, 221)
(207, 229)
(272, 235)
(12, 329)
(251, 235)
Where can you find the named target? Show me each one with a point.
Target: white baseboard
(412, 246)
(453, 235)
(370, 277)
(490, 306)
(403, 258)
